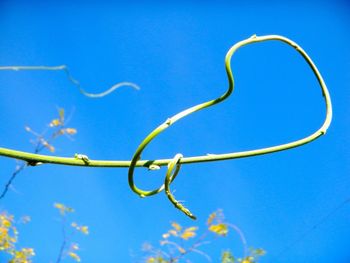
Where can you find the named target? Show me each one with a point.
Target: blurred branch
(41, 143)
(68, 248)
(71, 79)
(179, 245)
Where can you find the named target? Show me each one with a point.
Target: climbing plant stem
(34, 159)
(217, 157)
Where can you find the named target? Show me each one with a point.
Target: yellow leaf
(211, 218)
(74, 256)
(58, 205)
(61, 113)
(187, 234)
(55, 123)
(176, 226)
(22, 256)
(219, 229)
(6, 223)
(84, 230)
(63, 209)
(258, 252)
(28, 252)
(70, 131)
(192, 229)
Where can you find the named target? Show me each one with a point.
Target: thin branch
(242, 238)
(194, 246)
(321, 221)
(71, 79)
(64, 240)
(12, 178)
(38, 147)
(61, 252)
(200, 252)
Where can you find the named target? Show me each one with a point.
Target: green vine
(169, 178)
(136, 161)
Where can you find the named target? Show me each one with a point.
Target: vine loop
(170, 121)
(176, 162)
(136, 160)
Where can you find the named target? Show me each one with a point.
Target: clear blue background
(175, 51)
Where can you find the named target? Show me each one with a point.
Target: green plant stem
(169, 177)
(216, 157)
(34, 159)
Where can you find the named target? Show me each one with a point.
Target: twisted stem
(170, 176)
(33, 159)
(254, 39)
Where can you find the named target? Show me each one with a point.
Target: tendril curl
(177, 161)
(169, 177)
(254, 39)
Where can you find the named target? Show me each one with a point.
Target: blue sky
(175, 52)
